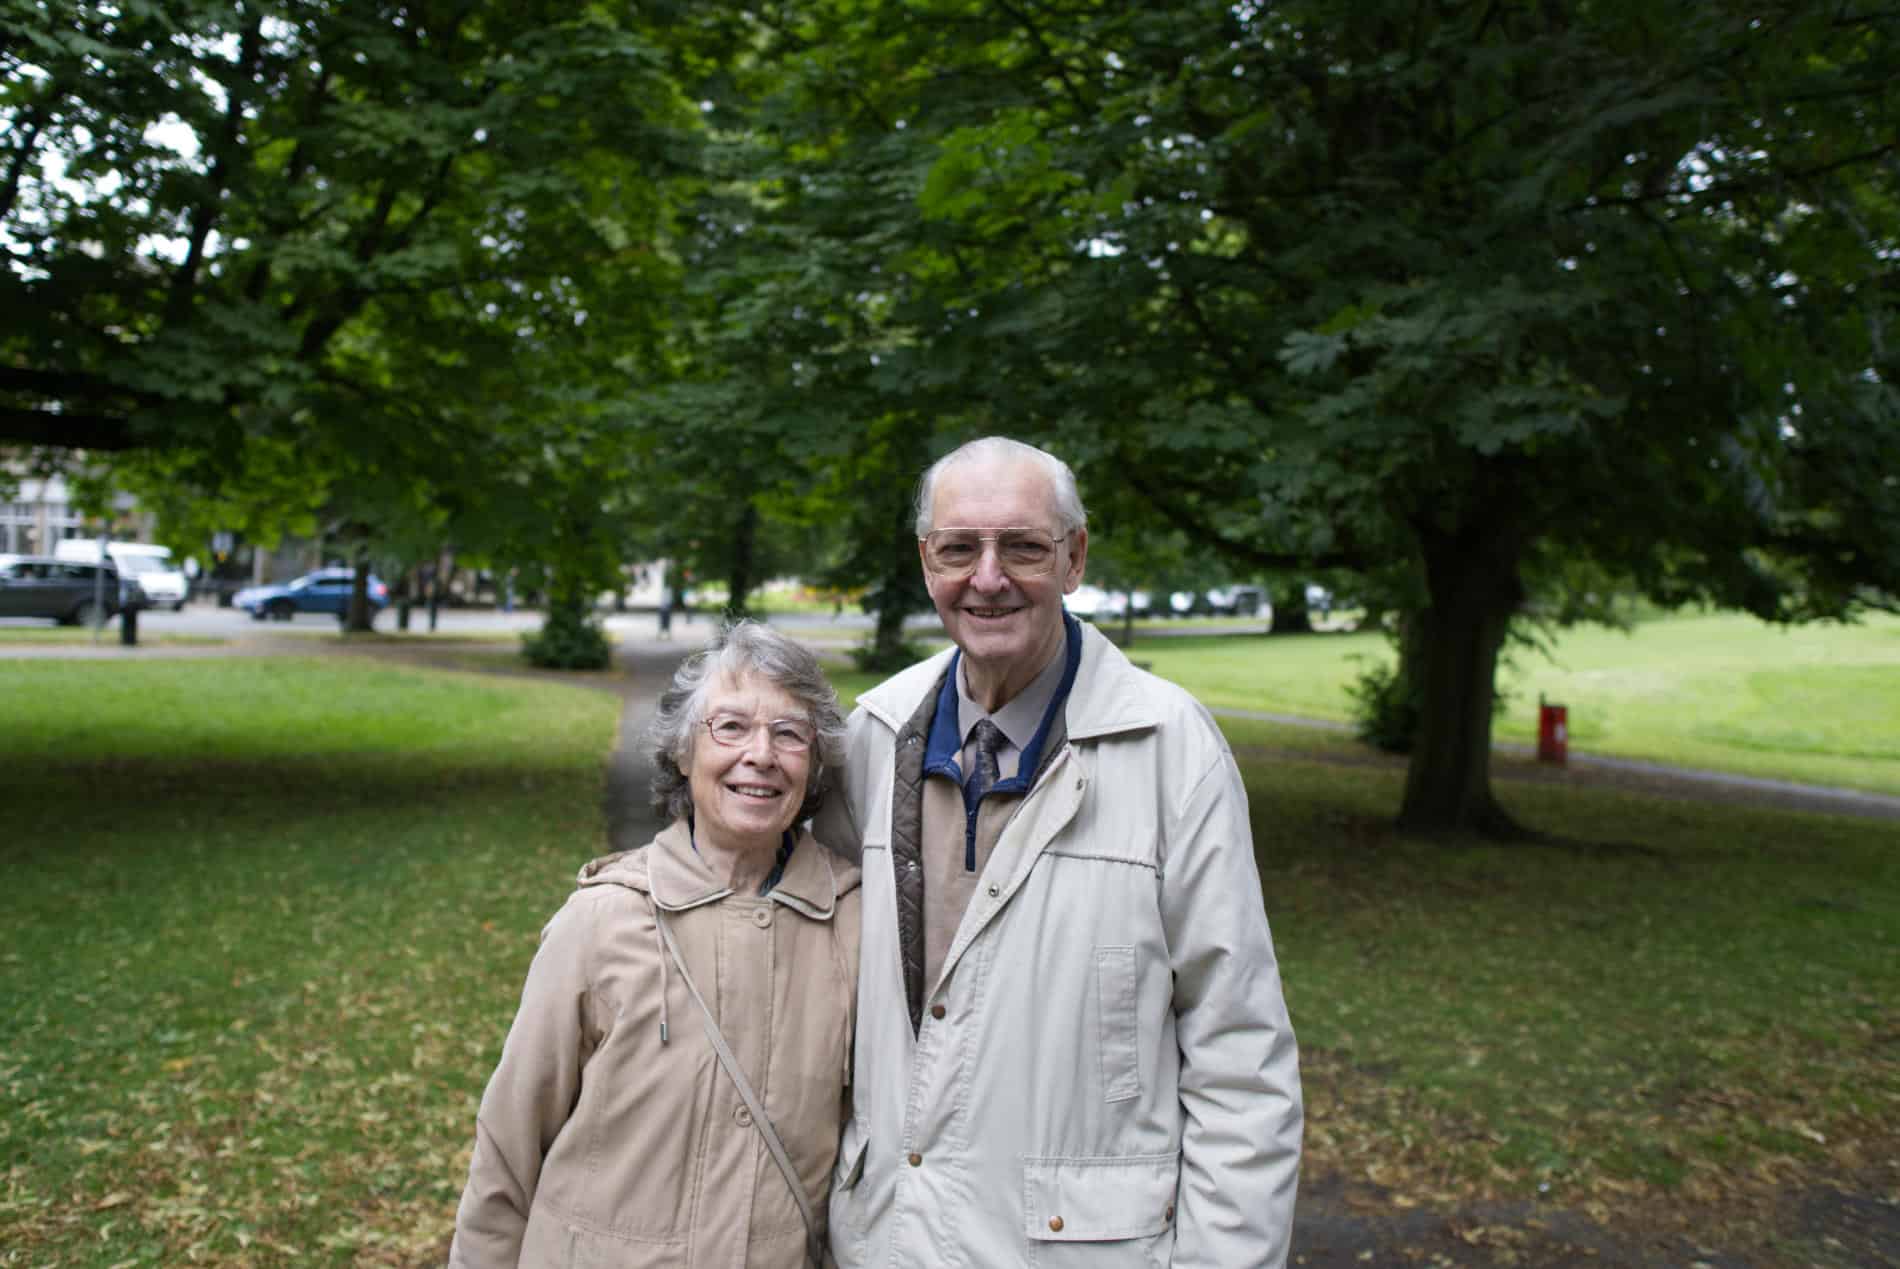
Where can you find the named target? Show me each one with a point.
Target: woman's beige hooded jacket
(598, 1144)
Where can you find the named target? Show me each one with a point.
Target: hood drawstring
(665, 960)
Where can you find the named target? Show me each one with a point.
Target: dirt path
(645, 669)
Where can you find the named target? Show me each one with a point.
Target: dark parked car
(73, 594)
(326, 590)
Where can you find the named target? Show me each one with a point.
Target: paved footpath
(1632, 774)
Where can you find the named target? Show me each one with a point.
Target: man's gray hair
(1070, 514)
(744, 647)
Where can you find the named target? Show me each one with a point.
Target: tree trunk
(1290, 617)
(1473, 585)
(739, 579)
(357, 619)
(896, 592)
(887, 637)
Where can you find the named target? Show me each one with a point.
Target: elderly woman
(614, 1132)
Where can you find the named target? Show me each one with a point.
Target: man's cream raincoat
(1103, 1074)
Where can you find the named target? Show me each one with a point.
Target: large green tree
(384, 265)
(1493, 291)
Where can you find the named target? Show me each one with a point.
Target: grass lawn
(266, 922)
(1817, 704)
(1708, 1008)
(260, 961)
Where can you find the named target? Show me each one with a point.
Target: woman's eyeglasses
(787, 735)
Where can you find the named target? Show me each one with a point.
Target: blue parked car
(326, 590)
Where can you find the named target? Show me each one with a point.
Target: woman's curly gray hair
(744, 647)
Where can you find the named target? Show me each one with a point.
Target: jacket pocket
(845, 1210)
(851, 1147)
(567, 1245)
(1126, 1199)
(1116, 1015)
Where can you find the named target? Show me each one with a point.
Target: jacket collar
(1107, 696)
(811, 883)
(676, 875)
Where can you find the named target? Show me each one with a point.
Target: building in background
(39, 515)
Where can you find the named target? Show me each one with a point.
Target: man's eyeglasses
(953, 554)
(787, 735)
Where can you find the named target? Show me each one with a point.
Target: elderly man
(1072, 1047)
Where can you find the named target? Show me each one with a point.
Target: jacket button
(995, 890)
(761, 917)
(742, 1117)
(1055, 1224)
(916, 1160)
(936, 1011)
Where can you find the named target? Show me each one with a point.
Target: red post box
(1553, 732)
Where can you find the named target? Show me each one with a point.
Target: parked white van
(150, 565)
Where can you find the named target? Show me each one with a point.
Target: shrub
(1384, 708)
(570, 639)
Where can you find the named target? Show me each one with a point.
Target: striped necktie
(988, 740)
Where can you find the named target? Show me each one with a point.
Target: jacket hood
(1110, 695)
(676, 876)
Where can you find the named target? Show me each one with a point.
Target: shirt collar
(1019, 716)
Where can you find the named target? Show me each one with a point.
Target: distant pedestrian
(666, 612)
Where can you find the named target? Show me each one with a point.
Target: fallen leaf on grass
(118, 1198)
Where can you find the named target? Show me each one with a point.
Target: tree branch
(50, 385)
(28, 128)
(184, 283)
(1730, 189)
(1056, 64)
(69, 430)
(1199, 529)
